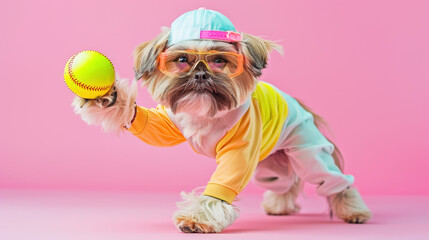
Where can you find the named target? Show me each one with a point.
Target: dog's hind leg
(283, 186)
(349, 206)
(282, 204)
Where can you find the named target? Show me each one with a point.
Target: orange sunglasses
(176, 63)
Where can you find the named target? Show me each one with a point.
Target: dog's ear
(256, 51)
(146, 54)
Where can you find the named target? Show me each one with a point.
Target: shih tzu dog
(204, 75)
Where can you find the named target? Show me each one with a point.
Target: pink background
(363, 65)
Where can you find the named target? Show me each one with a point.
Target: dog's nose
(200, 77)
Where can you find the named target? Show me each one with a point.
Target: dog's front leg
(203, 214)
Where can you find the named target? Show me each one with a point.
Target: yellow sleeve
(154, 127)
(237, 155)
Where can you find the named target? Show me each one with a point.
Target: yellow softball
(89, 74)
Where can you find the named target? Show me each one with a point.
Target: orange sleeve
(154, 127)
(237, 155)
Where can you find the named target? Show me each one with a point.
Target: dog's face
(201, 77)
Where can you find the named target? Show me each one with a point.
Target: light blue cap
(202, 24)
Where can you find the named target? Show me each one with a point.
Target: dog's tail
(322, 124)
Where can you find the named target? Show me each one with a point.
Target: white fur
(349, 206)
(207, 214)
(112, 118)
(195, 127)
(282, 204)
(195, 103)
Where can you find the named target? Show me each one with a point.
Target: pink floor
(64, 215)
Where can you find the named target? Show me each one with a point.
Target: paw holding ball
(102, 99)
(89, 74)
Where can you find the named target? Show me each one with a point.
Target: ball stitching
(81, 84)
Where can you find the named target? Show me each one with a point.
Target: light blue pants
(301, 151)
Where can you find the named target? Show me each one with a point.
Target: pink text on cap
(221, 35)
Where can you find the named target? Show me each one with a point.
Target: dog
(204, 75)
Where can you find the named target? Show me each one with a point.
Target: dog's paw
(280, 204)
(349, 206)
(203, 214)
(357, 217)
(112, 111)
(188, 225)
